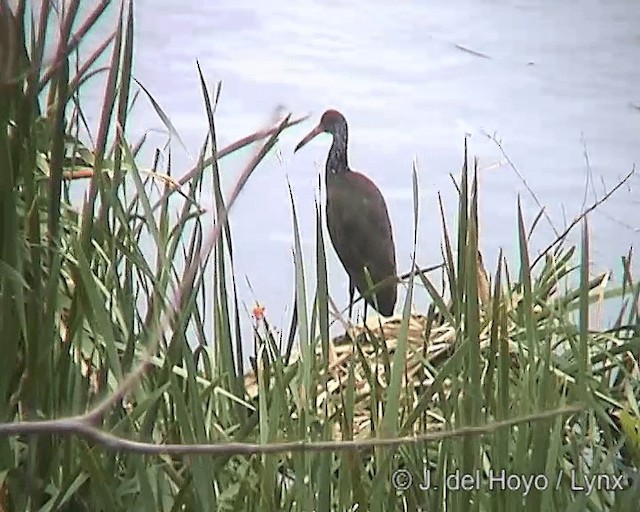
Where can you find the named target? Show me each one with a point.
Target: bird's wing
(360, 230)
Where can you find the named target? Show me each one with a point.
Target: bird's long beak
(316, 131)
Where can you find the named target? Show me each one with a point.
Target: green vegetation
(91, 292)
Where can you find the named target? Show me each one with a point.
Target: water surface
(556, 87)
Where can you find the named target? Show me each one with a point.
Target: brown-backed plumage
(357, 220)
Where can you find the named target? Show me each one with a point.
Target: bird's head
(332, 122)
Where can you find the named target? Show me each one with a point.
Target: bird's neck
(337, 159)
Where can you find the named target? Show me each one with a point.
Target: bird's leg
(364, 319)
(351, 292)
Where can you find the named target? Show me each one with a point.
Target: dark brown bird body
(358, 221)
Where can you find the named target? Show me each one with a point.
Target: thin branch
(398, 279)
(240, 183)
(575, 221)
(80, 426)
(191, 173)
(235, 146)
(524, 181)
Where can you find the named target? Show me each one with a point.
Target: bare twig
(575, 221)
(399, 279)
(242, 180)
(80, 426)
(524, 181)
(239, 144)
(191, 173)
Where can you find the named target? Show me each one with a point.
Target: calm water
(560, 77)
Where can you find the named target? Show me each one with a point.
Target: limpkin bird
(358, 221)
